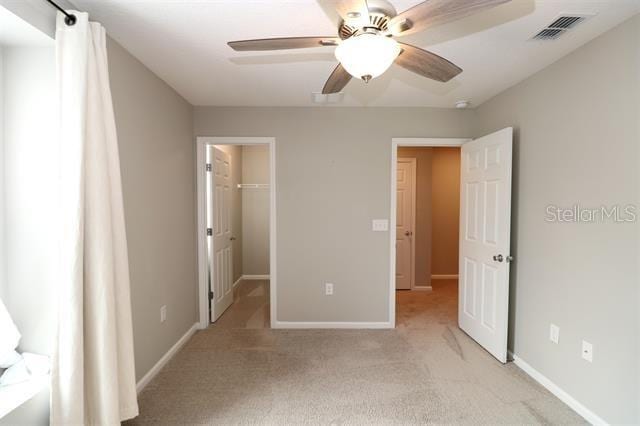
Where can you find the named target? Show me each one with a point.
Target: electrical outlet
(163, 313)
(554, 333)
(587, 351)
(328, 289)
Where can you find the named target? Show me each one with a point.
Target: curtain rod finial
(69, 19)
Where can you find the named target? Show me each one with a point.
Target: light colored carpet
(426, 371)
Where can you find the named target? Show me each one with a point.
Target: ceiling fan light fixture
(367, 56)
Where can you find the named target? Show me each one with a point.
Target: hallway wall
(445, 217)
(437, 211)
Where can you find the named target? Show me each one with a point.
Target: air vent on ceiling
(559, 26)
(548, 34)
(566, 22)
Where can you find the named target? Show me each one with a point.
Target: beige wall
(333, 178)
(577, 140)
(445, 202)
(423, 231)
(157, 151)
(235, 152)
(255, 211)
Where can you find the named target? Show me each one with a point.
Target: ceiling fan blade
(426, 64)
(337, 81)
(354, 12)
(282, 43)
(437, 12)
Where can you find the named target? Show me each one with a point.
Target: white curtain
(93, 377)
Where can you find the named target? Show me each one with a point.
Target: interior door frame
(395, 143)
(203, 292)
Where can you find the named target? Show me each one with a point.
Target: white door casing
(405, 223)
(485, 231)
(220, 259)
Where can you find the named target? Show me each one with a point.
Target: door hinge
(209, 167)
(210, 295)
(209, 232)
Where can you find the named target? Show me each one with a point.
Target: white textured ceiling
(184, 42)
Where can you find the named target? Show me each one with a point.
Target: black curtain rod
(69, 19)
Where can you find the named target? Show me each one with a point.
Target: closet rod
(69, 19)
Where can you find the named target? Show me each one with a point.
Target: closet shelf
(253, 185)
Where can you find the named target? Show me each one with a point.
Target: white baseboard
(444, 277)
(237, 282)
(255, 277)
(144, 381)
(563, 396)
(422, 288)
(330, 325)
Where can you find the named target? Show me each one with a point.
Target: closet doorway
(236, 231)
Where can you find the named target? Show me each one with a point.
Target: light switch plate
(380, 225)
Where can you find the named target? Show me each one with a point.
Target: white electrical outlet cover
(554, 333)
(328, 289)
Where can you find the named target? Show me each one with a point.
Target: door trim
(395, 143)
(414, 164)
(201, 238)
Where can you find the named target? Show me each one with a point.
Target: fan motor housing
(380, 13)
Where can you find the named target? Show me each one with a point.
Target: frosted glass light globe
(367, 56)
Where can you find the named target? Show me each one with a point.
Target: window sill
(13, 396)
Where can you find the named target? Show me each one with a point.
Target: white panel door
(405, 223)
(219, 222)
(485, 228)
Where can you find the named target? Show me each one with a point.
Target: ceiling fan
(366, 47)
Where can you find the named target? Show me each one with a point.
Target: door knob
(408, 233)
(498, 258)
(232, 238)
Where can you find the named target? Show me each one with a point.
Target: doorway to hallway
(484, 234)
